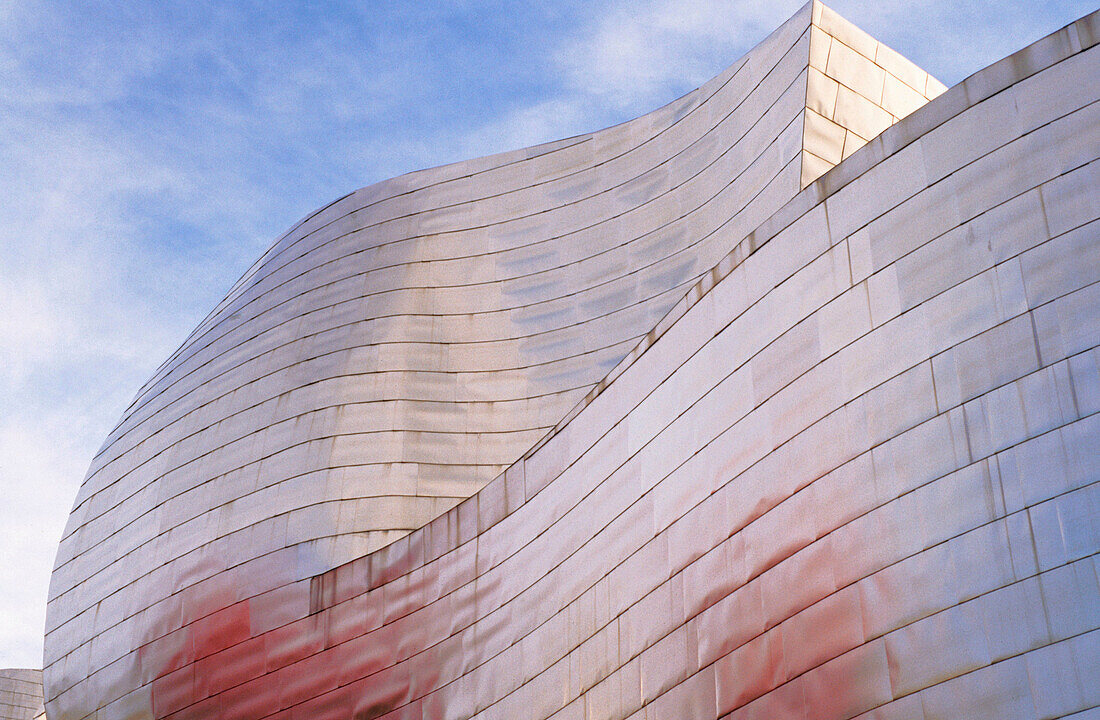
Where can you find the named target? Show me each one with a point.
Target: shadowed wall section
(20, 694)
(849, 470)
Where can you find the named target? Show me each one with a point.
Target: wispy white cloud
(624, 59)
(641, 52)
(74, 338)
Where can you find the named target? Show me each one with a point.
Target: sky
(150, 151)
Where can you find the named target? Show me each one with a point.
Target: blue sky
(150, 151)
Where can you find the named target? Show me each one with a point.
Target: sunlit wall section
(853, 473)
(856, 88)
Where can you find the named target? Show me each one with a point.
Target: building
(671, 420)
(20, 694)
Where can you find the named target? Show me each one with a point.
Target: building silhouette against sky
(779, 401)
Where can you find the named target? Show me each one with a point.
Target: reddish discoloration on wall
(341, 662)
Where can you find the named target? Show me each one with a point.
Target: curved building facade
(646, 423)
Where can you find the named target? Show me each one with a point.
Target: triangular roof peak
(856, 87)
